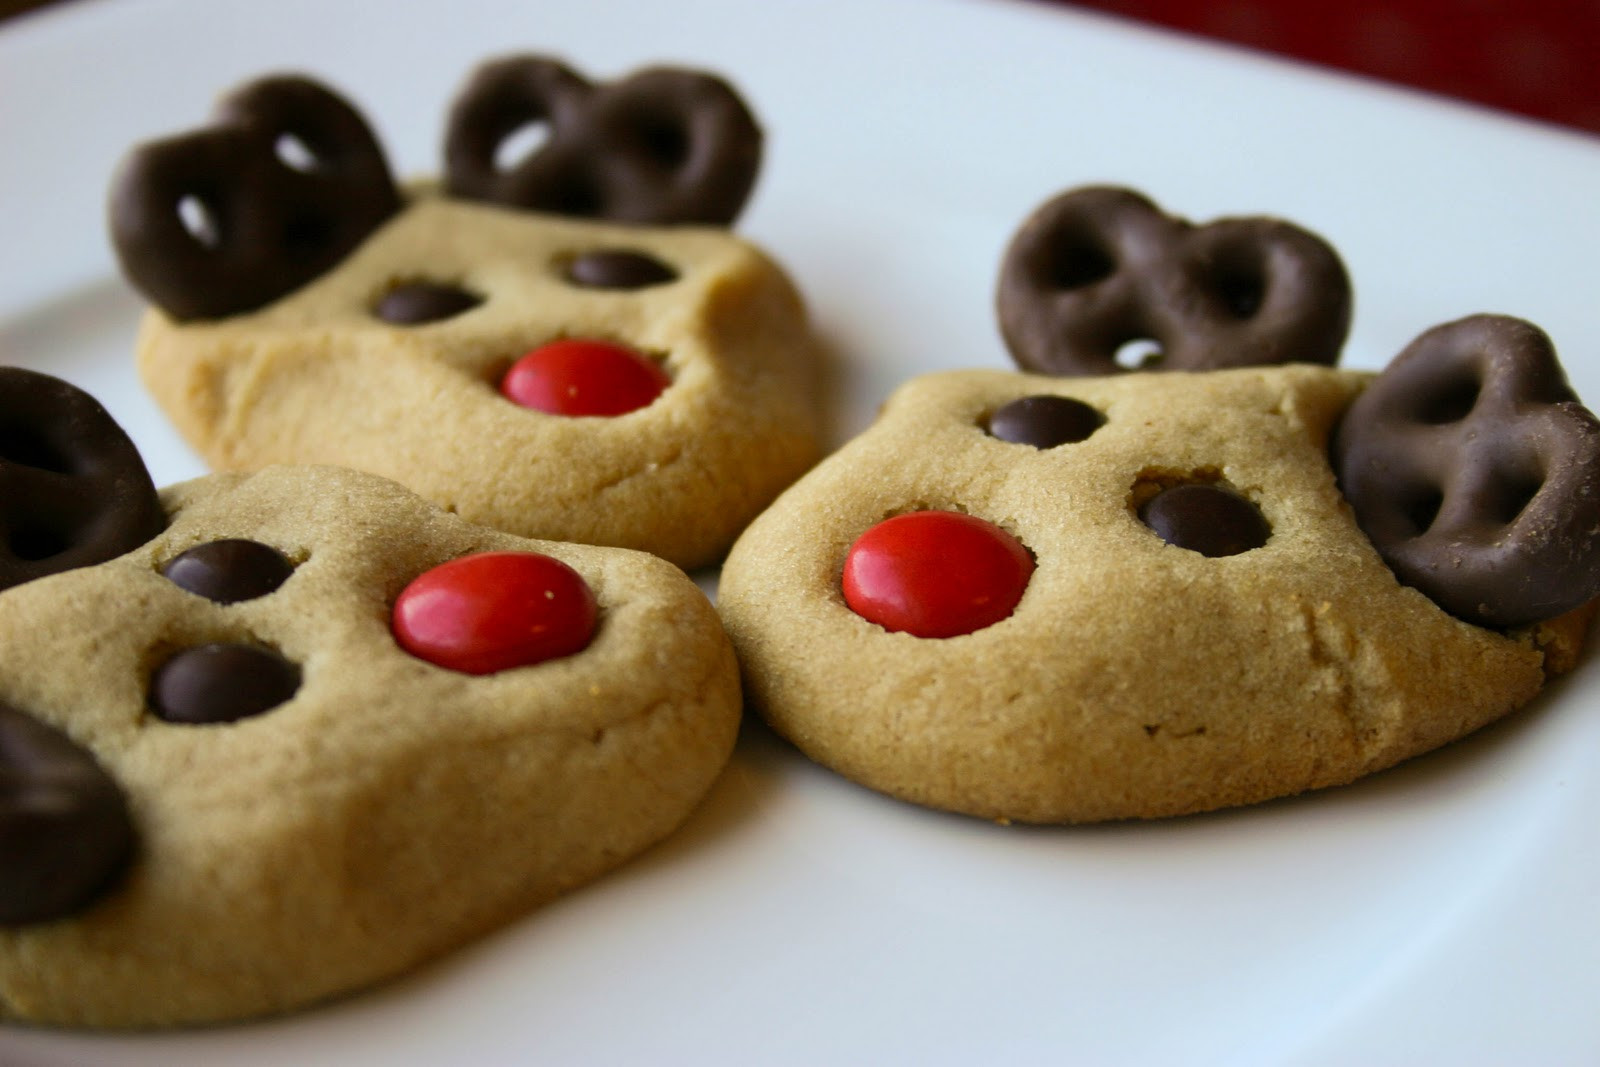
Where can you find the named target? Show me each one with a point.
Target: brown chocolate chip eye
(65, 834)
(1044, 421)
(618, 268)
(416, 303)
(229, 571)
(1207, 519)
(221, 683)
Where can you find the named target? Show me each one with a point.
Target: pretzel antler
(664, 145)
(1100, 267)
(284, 183)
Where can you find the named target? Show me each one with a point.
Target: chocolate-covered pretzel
(1100, 268)
(282, 185)
(1475, 472)
(65, 834)
(664, 145)
(73, 490)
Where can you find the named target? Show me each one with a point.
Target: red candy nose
(935, 574)
(494, 611)
(579, 377)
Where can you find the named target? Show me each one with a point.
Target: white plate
(1448, 911)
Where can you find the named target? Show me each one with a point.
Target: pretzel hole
(520, 145)
(26, 449)
(306, 235)
(1513, 495)
(199, 221)
(575, 195)
(1141, 353)
(1078, 260)
(1240, 287)
(295, 154)
(1421, 507)
(661, 137)
(1452, 403)
(31, 541)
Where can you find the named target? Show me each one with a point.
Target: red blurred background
(1538, 58)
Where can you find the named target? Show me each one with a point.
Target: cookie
(316, 732)
(1130, 595)
(569, 346)
(1147, 655)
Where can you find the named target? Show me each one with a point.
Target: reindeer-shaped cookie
(1067, 599)
(310, 730)
(567, 345)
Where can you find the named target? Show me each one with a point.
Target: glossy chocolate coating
(221, 683)
(229, 571)
(1044, 421)
(1207, 519)
(618, 268)
(271, 223)
(418, 303)
(65, 833)
(1475, 472)
(1099, 268)
(662, 146)
(73, 490)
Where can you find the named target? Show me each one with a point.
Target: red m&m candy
(579, 377)
(494, 611)
(935, 574)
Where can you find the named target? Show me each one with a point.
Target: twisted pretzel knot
(662, 146)
(73, 490)
(270, 223)
(1475, 472)
(1098, 268)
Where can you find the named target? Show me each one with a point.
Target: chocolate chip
(617, 268)
(229, 571)
(73, 490)
(1207, 519)
(263, 222)
(1098, 268)
(1044, 421)
(416, 303)
(221, 683)
(663, 146)
(1475, 472)
(65, 834)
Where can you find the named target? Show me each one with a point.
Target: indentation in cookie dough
(671, 457)
(1151, 729)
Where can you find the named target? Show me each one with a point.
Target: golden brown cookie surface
(389, 809)
(1134, 678)
(319, 377)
